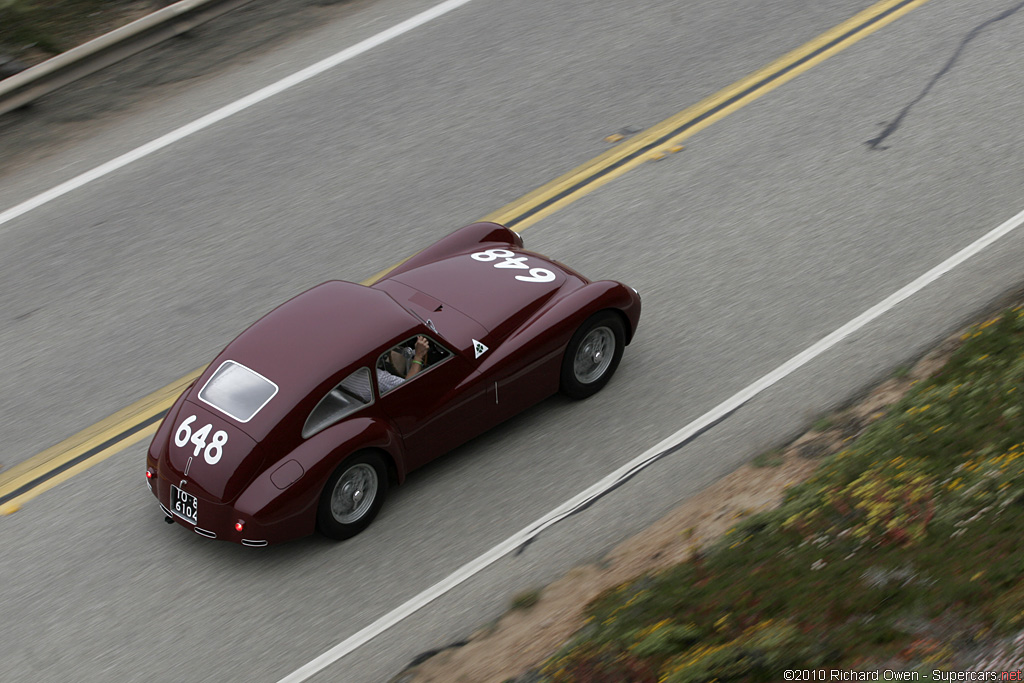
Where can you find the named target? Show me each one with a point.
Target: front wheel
(592, 355)
(353, 496)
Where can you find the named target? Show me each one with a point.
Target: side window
(406, 360)
(351, 394)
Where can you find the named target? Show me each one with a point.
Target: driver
(406, 363)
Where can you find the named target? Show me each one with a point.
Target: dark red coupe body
(293, 419)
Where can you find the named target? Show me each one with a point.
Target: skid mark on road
(891, 127)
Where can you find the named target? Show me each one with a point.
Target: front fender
(555, 324)
(287, 492)
(543, 337)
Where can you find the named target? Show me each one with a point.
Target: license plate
(184, 505)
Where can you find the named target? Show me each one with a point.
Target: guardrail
(24, 87)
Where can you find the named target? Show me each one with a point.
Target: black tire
(587, 364)
(344, 510)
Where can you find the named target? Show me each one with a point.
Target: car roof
(334, 327)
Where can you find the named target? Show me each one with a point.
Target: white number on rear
(183, 434)
(212, 451)
(199, 438)
(219, 439)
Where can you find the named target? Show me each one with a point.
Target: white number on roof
(212, 451)
(516, 262)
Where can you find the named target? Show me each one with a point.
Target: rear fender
(458, 242)
(304, 472)
(158, 446)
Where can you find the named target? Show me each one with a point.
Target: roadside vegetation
(33, 30)
(901, 552)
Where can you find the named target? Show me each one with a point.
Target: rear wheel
(592, 355)
(353, 496)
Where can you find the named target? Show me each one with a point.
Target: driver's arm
(419, 360)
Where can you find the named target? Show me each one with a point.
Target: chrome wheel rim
(354, 493)
(594, 355)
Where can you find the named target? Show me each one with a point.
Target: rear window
(237, 391)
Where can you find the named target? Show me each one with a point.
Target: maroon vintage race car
(305, 420)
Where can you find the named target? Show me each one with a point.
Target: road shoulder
(511, 648)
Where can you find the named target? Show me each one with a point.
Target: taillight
(239, 525)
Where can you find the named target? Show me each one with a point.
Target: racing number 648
(512, 261)
(212, 451)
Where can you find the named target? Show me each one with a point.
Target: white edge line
(230, 109)
(516, 540)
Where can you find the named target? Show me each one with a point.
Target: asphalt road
(772, 228)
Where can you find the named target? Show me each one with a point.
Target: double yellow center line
(663, 137)
(139, 420)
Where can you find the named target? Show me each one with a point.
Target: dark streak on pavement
(892, 126)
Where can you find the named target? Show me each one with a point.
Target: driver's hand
(422, 347)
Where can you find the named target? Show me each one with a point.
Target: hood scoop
(426, 303)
